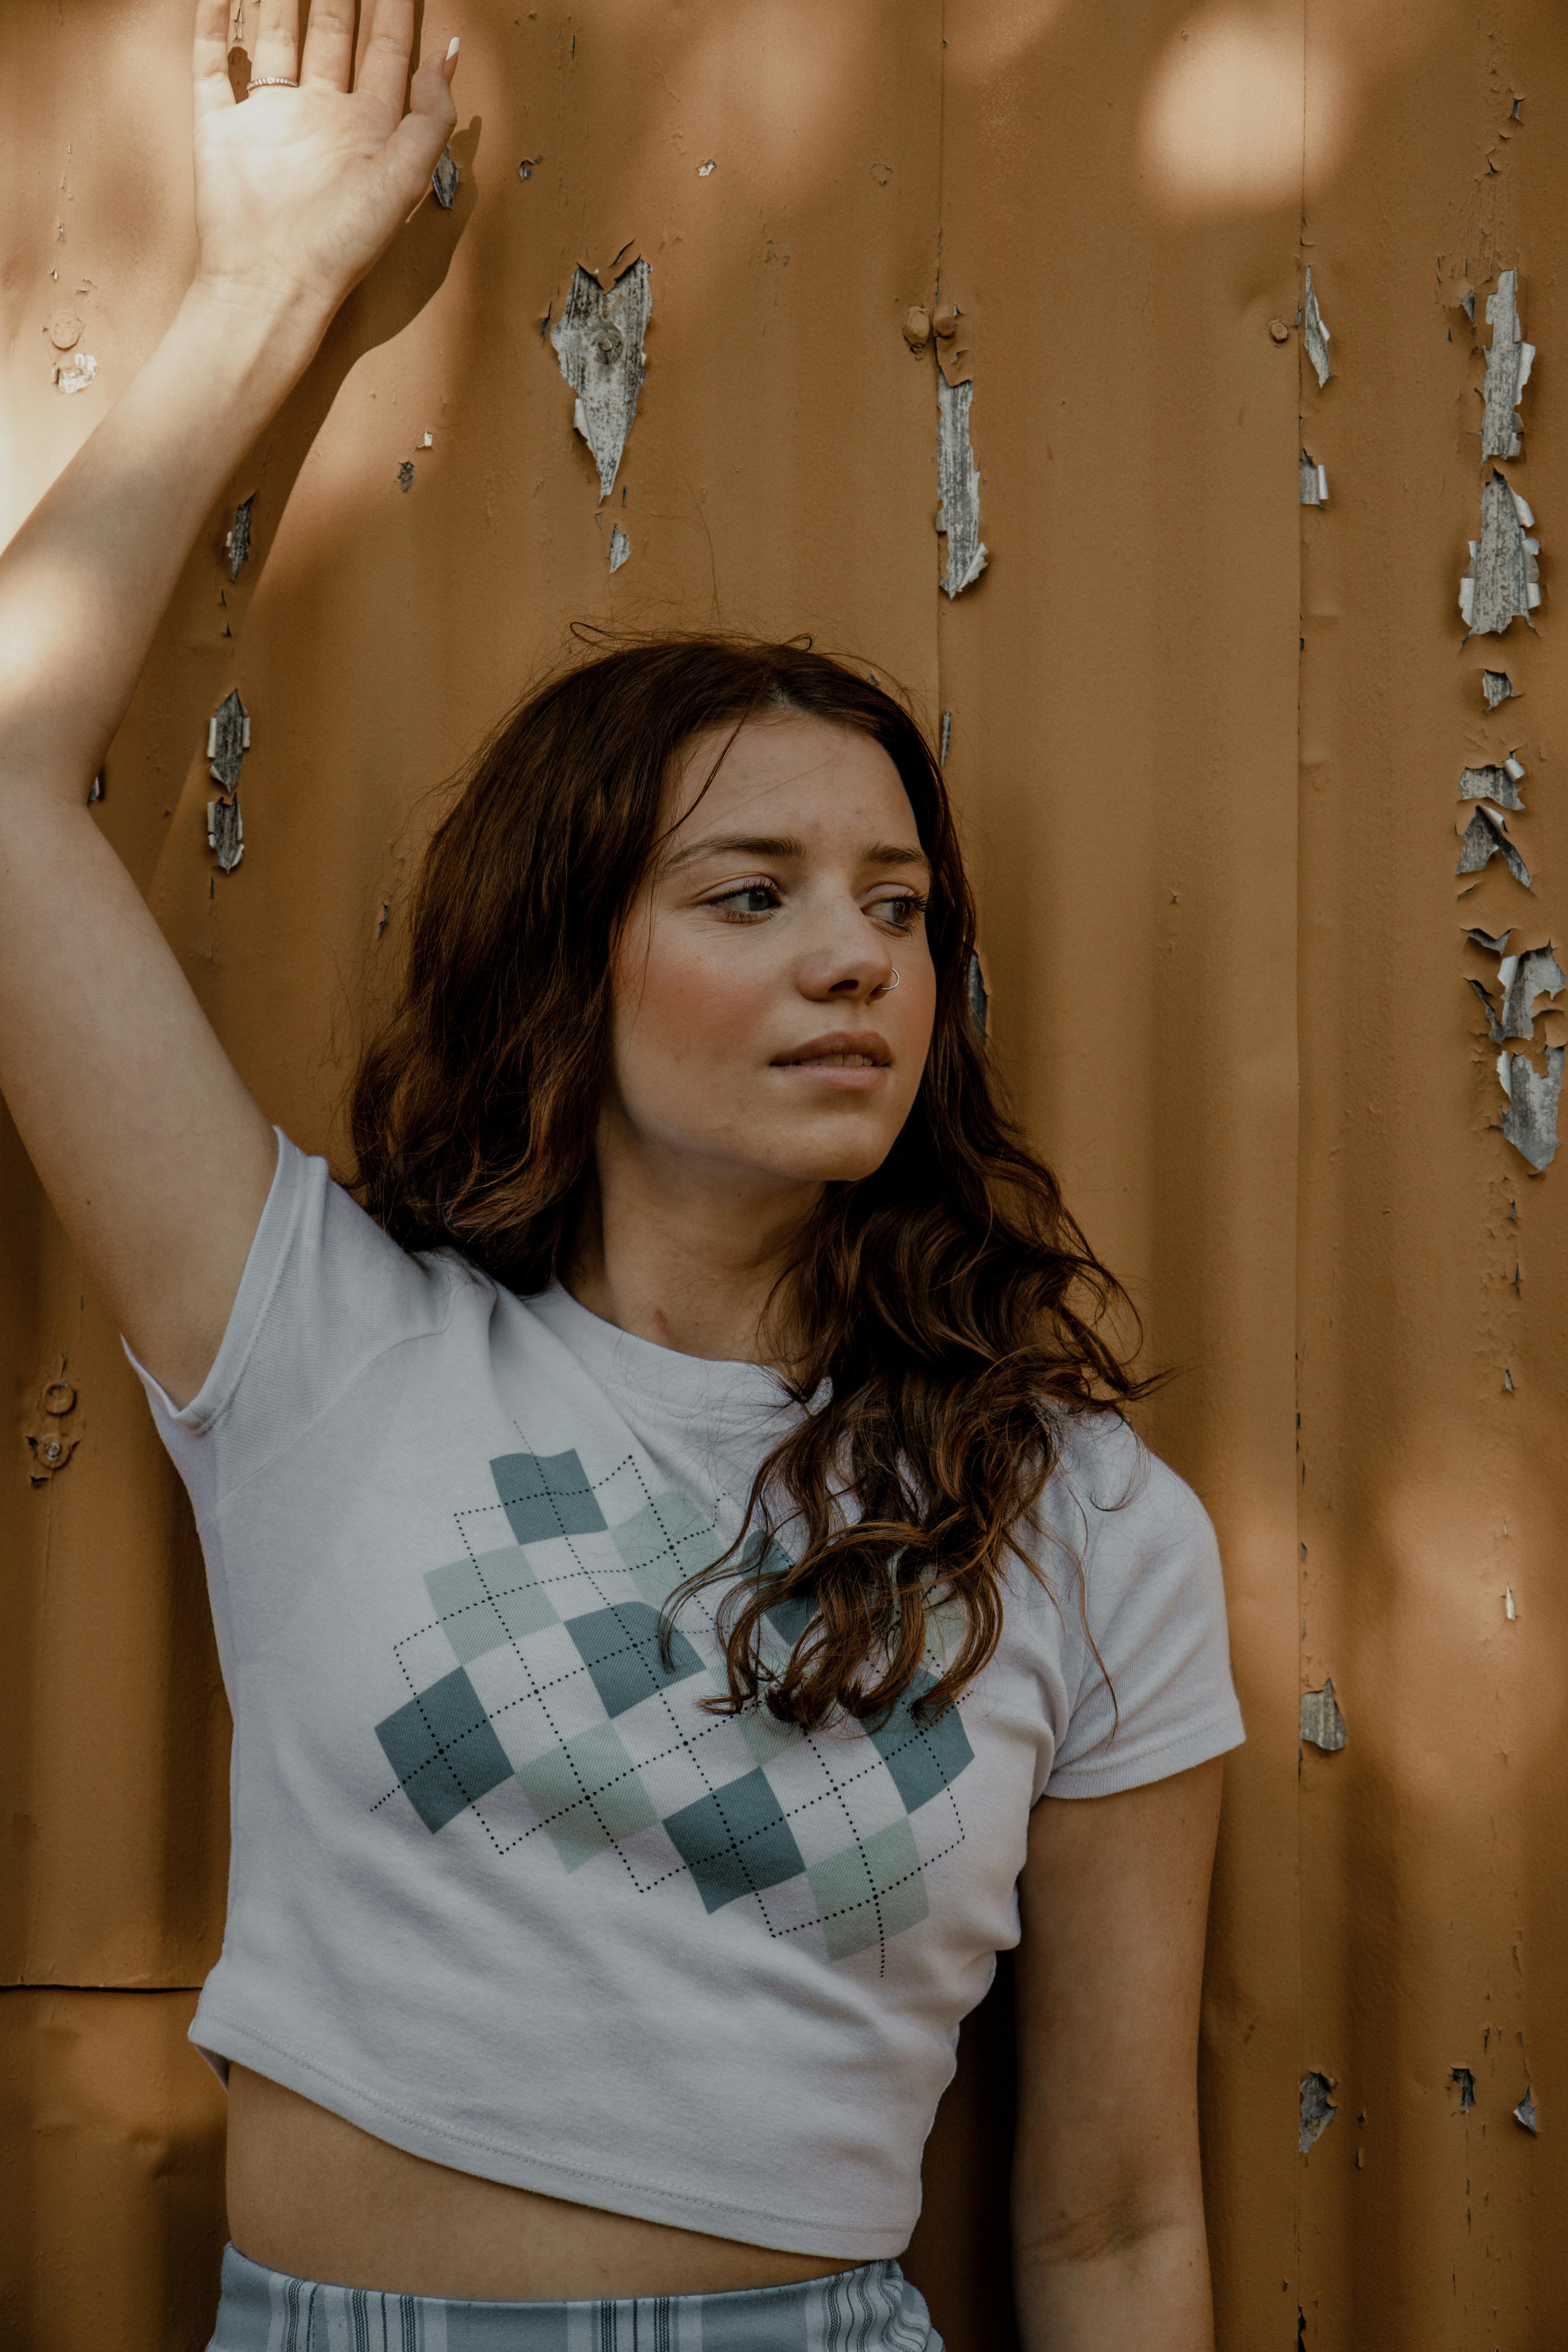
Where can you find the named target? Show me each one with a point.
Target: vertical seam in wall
(1298, 1581)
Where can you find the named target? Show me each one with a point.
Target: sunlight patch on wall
(1222, 126)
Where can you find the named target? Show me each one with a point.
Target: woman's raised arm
(156, 1157)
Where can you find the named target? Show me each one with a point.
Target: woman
(666, 1540)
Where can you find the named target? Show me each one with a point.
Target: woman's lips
(840, 1049)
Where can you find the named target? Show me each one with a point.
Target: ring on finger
(270, 81)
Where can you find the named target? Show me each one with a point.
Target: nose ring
(886, 985)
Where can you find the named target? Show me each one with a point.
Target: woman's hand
(299, 191)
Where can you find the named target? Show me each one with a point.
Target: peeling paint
(1315, 336)
(958, 488)
(236, 546)
(1500, 784)
(1508, 370)
(1530, 1122)
(1525, 2112)
(229, 739)
(979, 1002)
(1510, 1605)
(1322, 1725)
(1467, 2083)
(529, 165)
(1497, 686)
(1486, 838)
(706, 171)
(946, 737)
(1318, 2110)
(443, 179)
(1501, 585)
(599, 340)
(406, 474)
(76, 374)
(1314, 482)
(225, 833)
(620, 548)
(1524, 979)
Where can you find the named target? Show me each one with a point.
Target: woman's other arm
(156, 1159)
(1108, 2247)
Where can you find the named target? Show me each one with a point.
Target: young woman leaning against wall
(668, 1531)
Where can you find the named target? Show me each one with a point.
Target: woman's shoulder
(1111, 1478)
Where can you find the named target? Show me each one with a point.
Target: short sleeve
(323, 1293)
(1158, 1698)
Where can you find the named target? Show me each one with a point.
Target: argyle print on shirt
(545, 1709)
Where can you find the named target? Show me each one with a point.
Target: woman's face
(759, 1040)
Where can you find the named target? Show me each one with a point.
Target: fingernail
(452, 47)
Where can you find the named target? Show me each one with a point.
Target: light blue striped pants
(872, 2309)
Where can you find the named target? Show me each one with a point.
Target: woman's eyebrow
(781, 847)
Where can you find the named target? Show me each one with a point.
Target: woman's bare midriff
(313, 2195)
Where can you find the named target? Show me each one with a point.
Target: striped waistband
(872, 2309)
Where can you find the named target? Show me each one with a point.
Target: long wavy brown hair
(947, 1308)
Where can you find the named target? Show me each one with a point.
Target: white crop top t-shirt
(502, 1890)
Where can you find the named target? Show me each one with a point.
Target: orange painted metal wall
(1206, 743)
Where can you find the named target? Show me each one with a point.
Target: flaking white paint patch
(228, 740)
(225, 833)
(1321, 1724)
(1315, 336)
(1497, 783)
(1501, 585)
(620, 548)
(1508, 370)
(1318, 2110)
(958, 488)
(599, 340)
(1522, 981)
(1486, 838)
(1530, 1122)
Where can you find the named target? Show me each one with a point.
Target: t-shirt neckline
(719, 1387)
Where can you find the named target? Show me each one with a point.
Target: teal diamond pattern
(587, 1794)
(583, 1788)
(669, 1540)
(480, 1603)
(870, 1891)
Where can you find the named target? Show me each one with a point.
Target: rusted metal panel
(1433, 1262)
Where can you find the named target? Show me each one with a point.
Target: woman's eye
(751, 899)
(899, 913)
